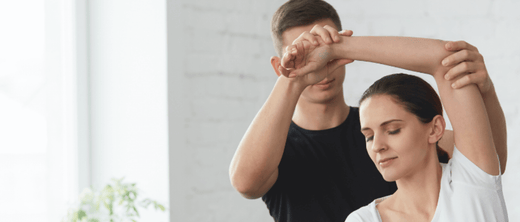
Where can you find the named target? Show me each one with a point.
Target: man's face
(332, 85)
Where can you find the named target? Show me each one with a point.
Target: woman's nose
(379, 144)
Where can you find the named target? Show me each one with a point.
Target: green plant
(116, 202)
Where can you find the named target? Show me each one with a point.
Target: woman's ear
(275, 62)
(437, 130)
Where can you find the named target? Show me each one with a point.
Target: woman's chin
(389, 176)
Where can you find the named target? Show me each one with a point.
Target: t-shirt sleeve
(463, 170)
(367, 213)
(354, 217)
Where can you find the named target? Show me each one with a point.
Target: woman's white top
(467, 194)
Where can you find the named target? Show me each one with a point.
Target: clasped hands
(311, 57)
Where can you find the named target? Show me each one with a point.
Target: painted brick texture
(228, 77)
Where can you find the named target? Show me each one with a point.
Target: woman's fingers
(307, 36)
(323, 33)
(333, 33)
(299, 54)
(346, 32)
(288, 57)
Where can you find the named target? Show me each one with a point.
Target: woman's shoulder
(461, 169)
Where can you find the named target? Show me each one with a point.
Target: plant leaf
(81, 214)
(137, 213)
(161, 207)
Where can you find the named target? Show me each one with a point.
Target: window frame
(66, 59)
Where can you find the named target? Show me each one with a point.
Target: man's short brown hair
(299, 13)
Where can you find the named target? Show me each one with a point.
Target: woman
(401, 118)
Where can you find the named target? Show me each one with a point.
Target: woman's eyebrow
(390, 121)
(383, 124)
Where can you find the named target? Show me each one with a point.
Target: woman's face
(396, 141)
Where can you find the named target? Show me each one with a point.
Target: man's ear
(275, 62)
(437, 130)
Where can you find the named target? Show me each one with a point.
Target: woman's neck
(418, 193)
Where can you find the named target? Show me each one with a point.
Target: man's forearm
(259, 153)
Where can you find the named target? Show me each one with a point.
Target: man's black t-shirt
(325, 175)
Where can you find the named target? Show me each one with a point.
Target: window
(39, 164)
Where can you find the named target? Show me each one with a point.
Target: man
(304, 153)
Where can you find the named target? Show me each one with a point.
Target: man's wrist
(293, 85)
(490, 92)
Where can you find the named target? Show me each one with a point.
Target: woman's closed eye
(369, 138)
(394, 131)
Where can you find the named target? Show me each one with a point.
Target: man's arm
(498, 125)
(254, 167)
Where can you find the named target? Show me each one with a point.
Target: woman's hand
(310, 56)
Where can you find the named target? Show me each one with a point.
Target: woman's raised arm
(465, 107)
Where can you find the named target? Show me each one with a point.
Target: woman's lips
(386, 161)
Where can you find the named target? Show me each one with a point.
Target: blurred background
(160, 92)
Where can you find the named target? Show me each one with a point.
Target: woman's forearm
(416, 54)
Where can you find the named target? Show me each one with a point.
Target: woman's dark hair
(414, 94)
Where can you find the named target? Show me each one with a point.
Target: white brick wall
(226, 77)
(492, 26)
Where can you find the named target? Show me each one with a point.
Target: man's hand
(469, 67)
(310, 55)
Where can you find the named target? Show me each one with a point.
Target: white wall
(492, 26)
(127, 54)
(219, 76)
